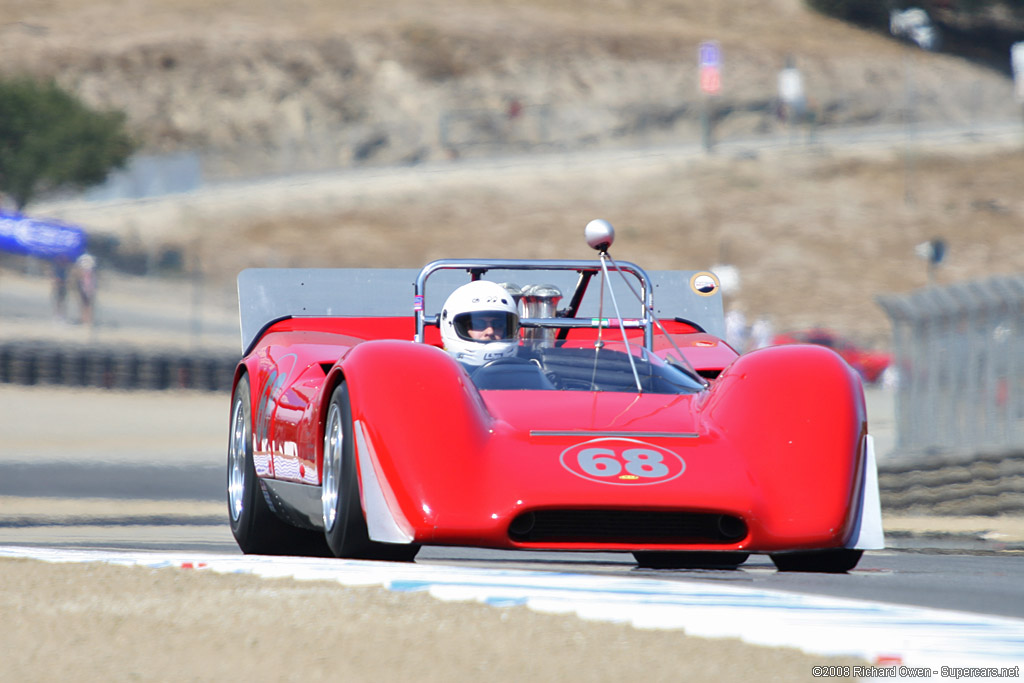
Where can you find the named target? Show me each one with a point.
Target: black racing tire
(835, 561)
(256, 528)
(656, 559)
(344, 523)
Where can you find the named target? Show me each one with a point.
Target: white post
(1017, 62)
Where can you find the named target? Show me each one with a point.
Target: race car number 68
(622, 461)
(602, 462)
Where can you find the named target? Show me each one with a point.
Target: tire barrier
(47, 364)
(987, 485)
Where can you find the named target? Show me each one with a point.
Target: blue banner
(43, 238)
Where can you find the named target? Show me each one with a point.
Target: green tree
(49, 139)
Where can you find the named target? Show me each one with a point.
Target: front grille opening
(625, 526)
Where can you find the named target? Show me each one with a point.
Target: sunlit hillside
(256, 88)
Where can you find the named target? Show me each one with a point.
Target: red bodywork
(774, 445)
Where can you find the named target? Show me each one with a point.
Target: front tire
(836, 561)
(344, 523)
(654, 559)
(256, 528)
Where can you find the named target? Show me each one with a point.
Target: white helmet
(479, 323)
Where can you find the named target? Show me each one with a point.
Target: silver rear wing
(266, 295)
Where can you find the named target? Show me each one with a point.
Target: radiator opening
(625, 526)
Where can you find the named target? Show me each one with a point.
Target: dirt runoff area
(101, 622)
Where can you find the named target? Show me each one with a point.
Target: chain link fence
(958, 353)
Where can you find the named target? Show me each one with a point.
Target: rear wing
(269, 294)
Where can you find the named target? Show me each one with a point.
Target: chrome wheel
(344, 523)
(236, 459)
(255, 526)
(333, 442)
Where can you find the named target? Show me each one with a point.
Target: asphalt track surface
(191, 519)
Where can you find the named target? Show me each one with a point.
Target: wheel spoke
(236, 476)
(332, 467)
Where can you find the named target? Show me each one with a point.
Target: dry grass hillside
(320, 83)
(262, 87)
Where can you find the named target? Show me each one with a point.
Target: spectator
(792, 97)
(86, 285)
(737, 334)
(60, 287)
(761, 333)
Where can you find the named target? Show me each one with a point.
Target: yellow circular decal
(704, 283)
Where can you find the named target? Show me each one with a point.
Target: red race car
(869, 363)
(375, 411)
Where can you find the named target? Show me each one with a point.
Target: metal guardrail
(958, 353)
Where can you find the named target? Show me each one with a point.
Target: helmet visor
(484, 326)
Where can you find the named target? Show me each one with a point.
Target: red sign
(710, 80)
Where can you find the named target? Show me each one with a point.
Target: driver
(479, 323)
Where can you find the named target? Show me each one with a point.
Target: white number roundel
(622, 461)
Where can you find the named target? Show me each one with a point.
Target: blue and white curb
(873, 631)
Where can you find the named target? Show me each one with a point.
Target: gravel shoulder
(118, 623)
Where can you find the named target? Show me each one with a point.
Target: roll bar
(477, 267)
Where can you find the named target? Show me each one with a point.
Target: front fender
(425, 423)
(797, 414)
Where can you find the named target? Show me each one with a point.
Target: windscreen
(584, 367)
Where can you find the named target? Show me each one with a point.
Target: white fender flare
(385, 522)
(868, 533)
